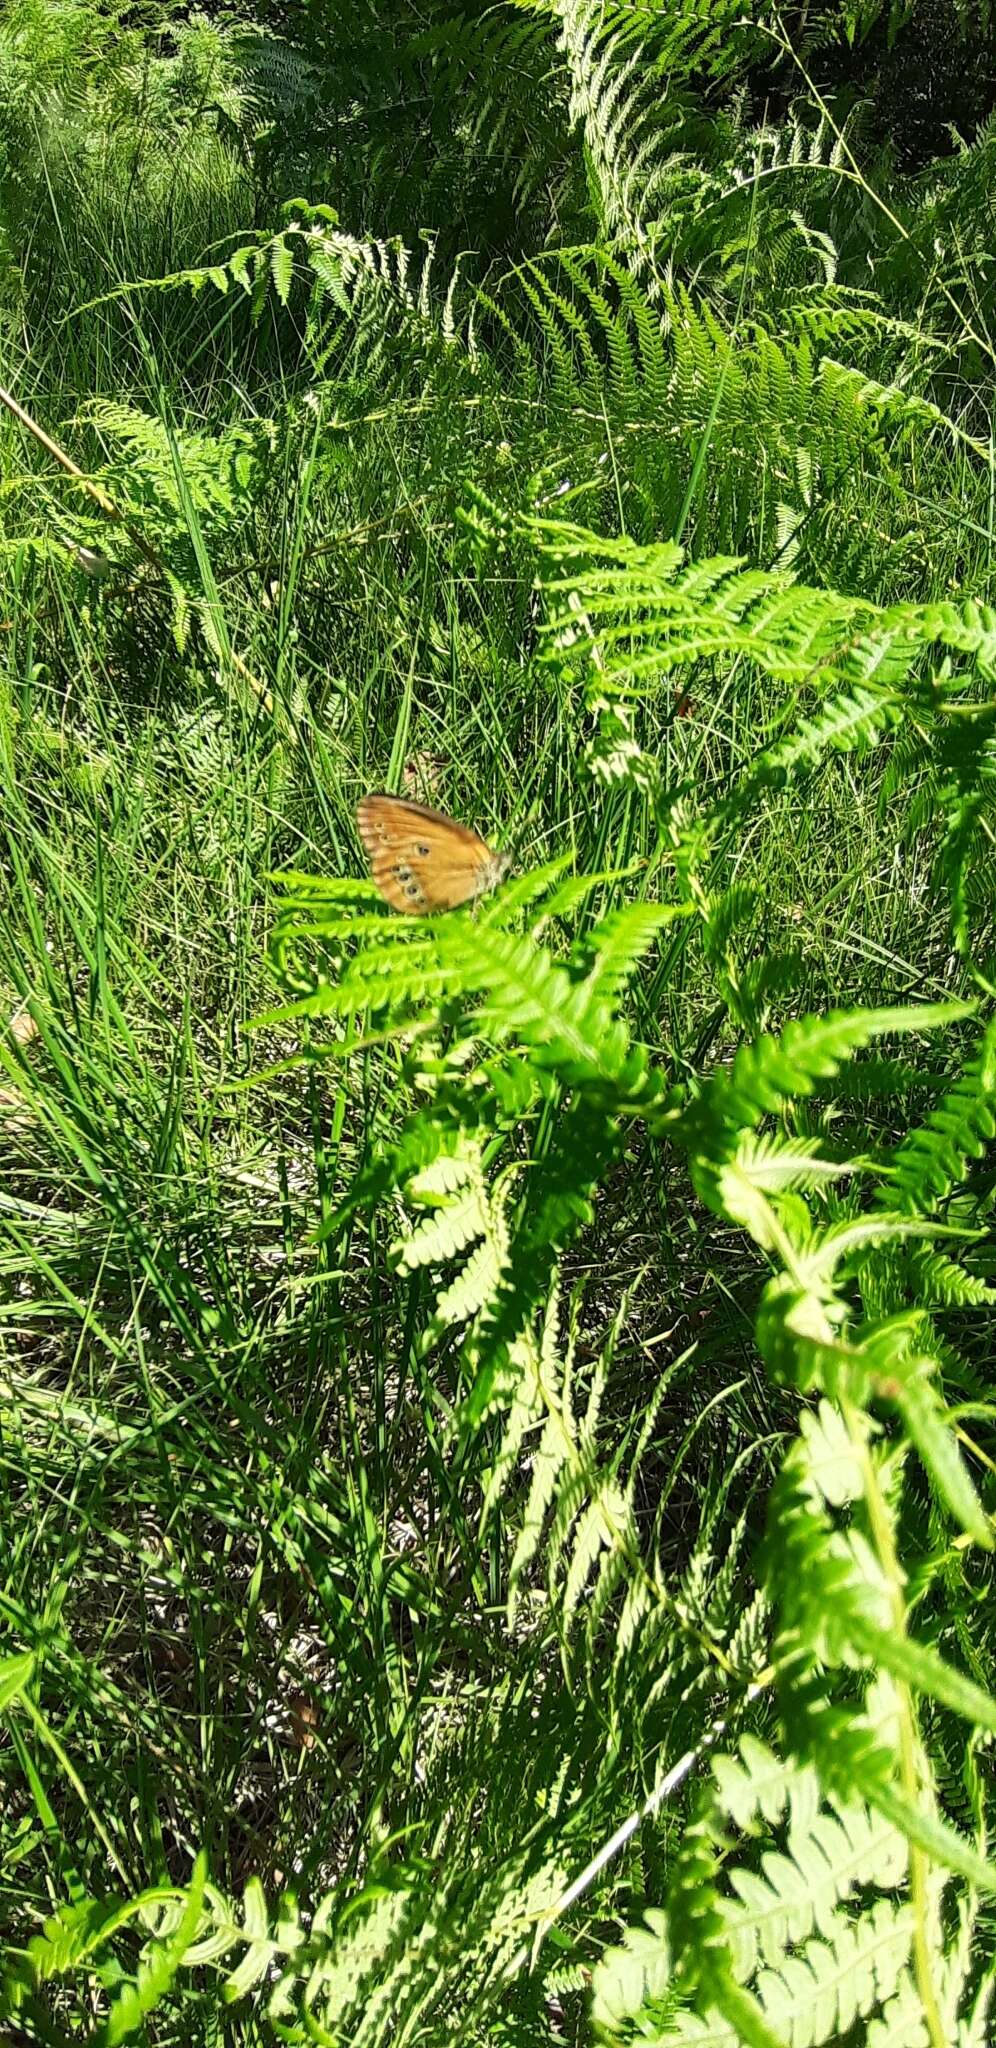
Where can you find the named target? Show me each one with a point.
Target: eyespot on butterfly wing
(420, 859)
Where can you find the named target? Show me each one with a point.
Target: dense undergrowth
(497, 1432)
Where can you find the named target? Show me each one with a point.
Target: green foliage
(496, 1408)
(835, 1589)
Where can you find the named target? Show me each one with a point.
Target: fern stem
(882, 1535)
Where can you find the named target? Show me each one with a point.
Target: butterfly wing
(420, 859)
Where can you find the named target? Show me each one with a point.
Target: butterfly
(420, 859)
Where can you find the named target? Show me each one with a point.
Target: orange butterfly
(420, 859)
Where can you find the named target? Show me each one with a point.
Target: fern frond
(893, 403)
(771, 1071)
(934, 1158)
(759, 1783)
(620, 942)
(633, 1974)
(637, 616)
(940, 1282)
(818, 1994)
(793, 1893)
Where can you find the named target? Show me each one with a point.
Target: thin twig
(675, 1777)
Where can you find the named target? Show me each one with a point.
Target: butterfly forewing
(420, 859)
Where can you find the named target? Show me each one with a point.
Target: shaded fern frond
(932, 1160)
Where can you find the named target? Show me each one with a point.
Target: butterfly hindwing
(420, 859)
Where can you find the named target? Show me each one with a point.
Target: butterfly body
(421, 860)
